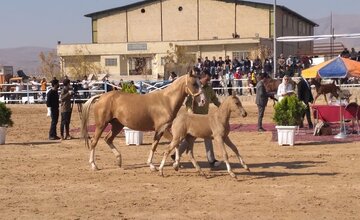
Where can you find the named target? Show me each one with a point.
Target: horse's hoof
(153, 168)
(232, 175)
(176, 166)
(161, 173)
(94, 168)
(201, 173)
(119, 162)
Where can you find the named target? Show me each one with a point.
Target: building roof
(140, 3)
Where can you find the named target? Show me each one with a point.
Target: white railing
(30, 96)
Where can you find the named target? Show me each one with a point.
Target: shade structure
(338, 67)
(335, 68)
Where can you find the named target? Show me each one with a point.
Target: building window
(110, 62)
(140, 66)
(284, 20)
(94, 31)
(290, 22)
(271, 23)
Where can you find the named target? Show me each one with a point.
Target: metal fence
(26, 94)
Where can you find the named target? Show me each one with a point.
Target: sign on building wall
(139, 46)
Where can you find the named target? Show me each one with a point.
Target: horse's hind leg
(229, 143)
(325, 99)
(191, 141)
(109, 139)
(98, 130)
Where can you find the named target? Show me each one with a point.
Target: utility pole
(332, 36)
(274, 58)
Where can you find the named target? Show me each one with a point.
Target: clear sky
(44, 22)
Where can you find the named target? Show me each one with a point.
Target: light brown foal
(214, 125)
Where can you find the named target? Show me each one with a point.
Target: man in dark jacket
(261, 101)
(52, 103)
(305, 95)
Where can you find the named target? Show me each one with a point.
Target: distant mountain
(342, 24)
(24, 58)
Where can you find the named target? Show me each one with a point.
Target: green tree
(82, 64)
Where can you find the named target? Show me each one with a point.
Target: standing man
(52, 103)
(261, 101)
(305, 95)
(203, 108)
(66, 110)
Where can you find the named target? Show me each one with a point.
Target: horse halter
(189, 91)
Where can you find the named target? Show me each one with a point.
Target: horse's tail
(85, 119)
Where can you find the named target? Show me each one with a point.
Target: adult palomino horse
(150, 112)
(214, 125)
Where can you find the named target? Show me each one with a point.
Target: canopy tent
(335, 68)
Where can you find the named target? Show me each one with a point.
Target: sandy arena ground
(41, 179)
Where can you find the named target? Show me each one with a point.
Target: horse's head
(235, 105)
(315, 82)
(192, 84)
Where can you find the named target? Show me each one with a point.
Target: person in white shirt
(285, 88)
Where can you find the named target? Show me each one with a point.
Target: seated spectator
(345, 53)
(285, 88)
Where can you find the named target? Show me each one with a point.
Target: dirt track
(43, 179)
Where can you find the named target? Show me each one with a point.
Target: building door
(140, 66)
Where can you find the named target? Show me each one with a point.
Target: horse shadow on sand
(277, 168)
(239, 171)
(33, 143)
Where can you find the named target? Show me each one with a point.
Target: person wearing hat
(261, 101)
(52, 103)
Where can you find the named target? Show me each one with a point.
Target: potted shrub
(5, 121)
(288, 116)
(131, 136)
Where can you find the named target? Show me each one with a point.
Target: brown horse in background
(150, 112)
(323, 89)
(271, 86)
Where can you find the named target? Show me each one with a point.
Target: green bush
(289, 111)
(128, 88)
(5, 115)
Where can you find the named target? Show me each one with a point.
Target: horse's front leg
(154, 145)
(172, 145)
(229, 143)
(220, 142)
